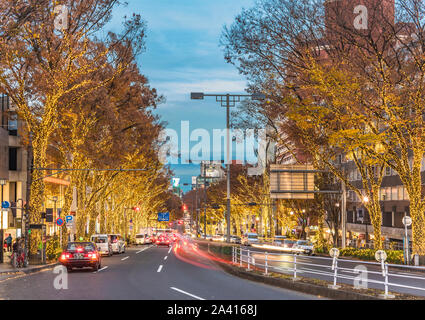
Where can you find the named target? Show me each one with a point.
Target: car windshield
(252, 236)
(100, 239)
(139, 236)
(74, 246)
(289, 241)
(304, 243)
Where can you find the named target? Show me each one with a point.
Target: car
(163, 240)
(218, 237)
(103, 244)
(142, 239)
(174, 237)
(288, 243)
(278, 240)
(303, 246)
(118, 243)
(209, 237)
(235, 239)
(250, 238)
(81, 255)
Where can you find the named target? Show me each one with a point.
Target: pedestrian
(9, 243)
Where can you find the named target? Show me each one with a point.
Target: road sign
(380, 255)
(60, 222)
(334, 253)
(5, 205)
(69, 219)
(407, 221)
(163, 216)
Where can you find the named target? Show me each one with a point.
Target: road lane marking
(187, 293)
(143, 249)
(170, 250)
(160, 268)
(101, 269)
(165, 258)
(125, 258)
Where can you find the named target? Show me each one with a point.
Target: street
(146, 273)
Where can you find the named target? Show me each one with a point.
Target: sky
(182, 56)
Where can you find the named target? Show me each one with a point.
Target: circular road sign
(60, 222)
(334, 253)
(407, 221)
(380, 255)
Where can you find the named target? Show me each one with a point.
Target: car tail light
(92, 255)
(63, 257)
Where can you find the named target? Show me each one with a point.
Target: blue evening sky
(183, 55)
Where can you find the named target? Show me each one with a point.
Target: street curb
(31, 270)
(307, 288)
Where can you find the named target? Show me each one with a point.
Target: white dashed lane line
(124, 258)
(160, 268)
(101, 269)
(165, 258)
(187, 293)
(170, 250)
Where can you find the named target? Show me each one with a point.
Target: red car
(81, 255)
(163, 241)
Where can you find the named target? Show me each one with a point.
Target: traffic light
(137, 209)
(170, 224)
(180, 221)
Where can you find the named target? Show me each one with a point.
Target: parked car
(142, 239)
(304, 246)
(118, 243)
(81, 255)
(278, 240)
(103, 244)
(235, 239)
(249, 239)
(218, 237)
(288, 243)
(209, 237)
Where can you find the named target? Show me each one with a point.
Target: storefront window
(394, 193)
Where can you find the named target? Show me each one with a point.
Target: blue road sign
(5, 205)
(163, 216)
(69, 219)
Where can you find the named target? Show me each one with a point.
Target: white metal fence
(329, 268)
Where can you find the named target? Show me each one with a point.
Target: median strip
(187, 293)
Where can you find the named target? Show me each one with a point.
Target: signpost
(407, 221)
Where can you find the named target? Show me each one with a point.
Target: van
(103, 243)
(143, 239)
(250, 238)
(118, 243)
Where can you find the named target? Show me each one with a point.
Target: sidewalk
(6, 268)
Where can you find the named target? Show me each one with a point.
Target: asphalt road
(147, 273)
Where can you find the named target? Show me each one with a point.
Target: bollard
(266, 266)
(248, 260)
(385, 274)
(233, 255)
(335, 268)
(295, 268)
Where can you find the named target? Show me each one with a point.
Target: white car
(249, 239)
(118, 243)
(143, 239)
(218, 237)
(303, 246)
(103, 243)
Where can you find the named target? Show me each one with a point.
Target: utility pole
(205, 202)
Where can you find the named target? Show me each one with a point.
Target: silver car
(303, 246)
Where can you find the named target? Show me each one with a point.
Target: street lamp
(227, 100)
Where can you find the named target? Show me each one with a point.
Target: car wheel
(96, 267)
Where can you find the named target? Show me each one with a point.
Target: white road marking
(101, 269)
(187, 293)
(165, 258)
(143, 249)
(125, 258)
(170, 250)
(160, 268)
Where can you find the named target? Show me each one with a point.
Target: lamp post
(227, 100)
(3, 182)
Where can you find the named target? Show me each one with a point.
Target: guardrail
(260, 260)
